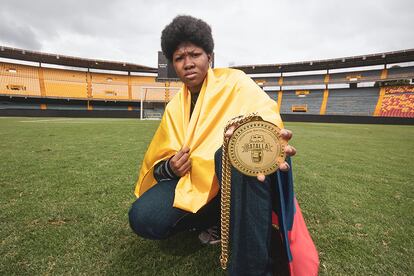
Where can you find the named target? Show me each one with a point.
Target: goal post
(155, 94)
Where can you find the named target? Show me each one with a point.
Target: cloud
(18, 35)
(245, 32)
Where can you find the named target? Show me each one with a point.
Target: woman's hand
(289, 150)
(180, 163)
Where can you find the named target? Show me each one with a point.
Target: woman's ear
(210, 60)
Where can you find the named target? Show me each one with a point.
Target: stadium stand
(304, 101)
(109, 87)
(360, 89)
(397, 73)
(303, 80)
(273, 95)
(20, 80)
(398, 102)
(64, 83)
(360, 101)
(360, 76)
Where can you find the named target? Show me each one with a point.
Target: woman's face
(191, 64)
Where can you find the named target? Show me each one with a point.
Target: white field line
(76, 120)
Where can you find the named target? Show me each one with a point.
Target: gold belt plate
(257, 147)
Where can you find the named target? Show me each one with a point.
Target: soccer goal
(154, 99)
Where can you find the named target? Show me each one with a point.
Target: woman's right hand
(180, 163)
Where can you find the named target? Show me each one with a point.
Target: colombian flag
(301, 252)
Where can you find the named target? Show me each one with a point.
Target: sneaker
(210, 236)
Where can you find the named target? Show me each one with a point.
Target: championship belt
(256, 147)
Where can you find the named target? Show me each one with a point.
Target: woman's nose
(188, 62)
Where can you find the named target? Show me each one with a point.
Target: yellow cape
(226, 93)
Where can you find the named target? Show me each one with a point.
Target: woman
(178, 185)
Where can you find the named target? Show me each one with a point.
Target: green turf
(66, 186)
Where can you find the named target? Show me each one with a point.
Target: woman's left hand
(289, 150)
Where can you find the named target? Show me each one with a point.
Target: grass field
(66, 186)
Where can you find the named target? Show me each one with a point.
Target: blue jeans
(252, 237)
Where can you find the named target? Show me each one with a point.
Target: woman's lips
(190, 75)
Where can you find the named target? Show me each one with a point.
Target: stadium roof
(26, 55)
(346, 62)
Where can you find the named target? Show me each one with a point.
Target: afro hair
(185, 28)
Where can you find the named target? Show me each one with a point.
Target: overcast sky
(245, 32)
